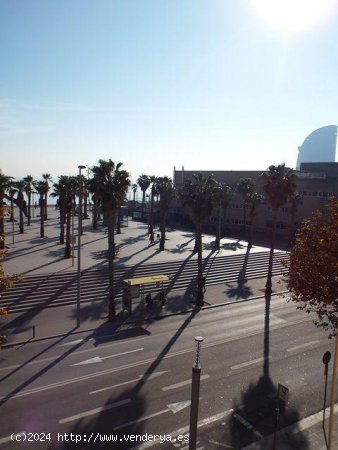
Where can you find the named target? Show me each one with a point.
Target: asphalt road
(138, 381)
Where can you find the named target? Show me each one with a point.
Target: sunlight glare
(295, 15)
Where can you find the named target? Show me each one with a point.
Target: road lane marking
(144, 377)
(91, 412)
(298, 347)
(11, 437)
(99, 359)
(185, 430)
(183, 383)
(249, 363)
(173, 407)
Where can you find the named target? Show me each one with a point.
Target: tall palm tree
(28, 190)
(198, 197)
(46, 177)
(60, 192)
(5, 184)
(110, 184)
(253, 200)
(144, 182)
(12, 191)
(65, 190)
(20, 186)
(166, 191)
(223, 194)
(245, 186)
(153, 194)
(134, 189)
(41, 188)
(279, 184)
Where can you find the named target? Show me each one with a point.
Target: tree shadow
(241, 290)
(255, 415)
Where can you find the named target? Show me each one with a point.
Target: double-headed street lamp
(78, 304)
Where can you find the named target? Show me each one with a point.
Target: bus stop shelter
(135, 288)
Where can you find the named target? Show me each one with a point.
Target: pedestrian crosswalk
(60, 289)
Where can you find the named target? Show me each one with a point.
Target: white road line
(99, 359)
(9, 438)
(132, 422)
(94, 411)
(173, 407)
(144, 377)
(248, 363)
(298, 347)
(185, 430)
(183, 383)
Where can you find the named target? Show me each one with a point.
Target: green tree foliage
(313, 267)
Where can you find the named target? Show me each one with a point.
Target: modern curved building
(319, 146)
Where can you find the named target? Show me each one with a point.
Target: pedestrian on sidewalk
(203, 284)
(149, 301)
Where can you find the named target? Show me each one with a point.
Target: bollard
(195, 390)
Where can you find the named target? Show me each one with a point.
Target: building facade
(316, 183)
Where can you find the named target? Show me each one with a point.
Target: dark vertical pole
(195, 389)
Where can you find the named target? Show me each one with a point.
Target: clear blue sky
(208, 84)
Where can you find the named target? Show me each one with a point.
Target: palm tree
(166, 191)
(20, 186)
(153, 193)
(11, 193)
(66, 190)
(253, 200)
(245, 186)
(134, 189)
(28, 190)
(278, 186)
(144, 182)
(198, 197)
(46, 177)
(41, 188)
(110, 184)
(5, 184)
(223, 194)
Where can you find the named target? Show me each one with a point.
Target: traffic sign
(283, 393)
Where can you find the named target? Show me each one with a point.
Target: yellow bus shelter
(134, 288)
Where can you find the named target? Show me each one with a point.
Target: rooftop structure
(319, 146)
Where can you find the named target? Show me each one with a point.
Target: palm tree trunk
(162, 230)
(20, 204)
(45, 211)
(29, 209)
(219, 228)
(94, 212)
(118, 224)
(42, 212)
(68, 228)
(200, 294)
(268, 285)
(110, 224)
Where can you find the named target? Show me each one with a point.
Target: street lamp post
(195, 390)
(78, 304)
